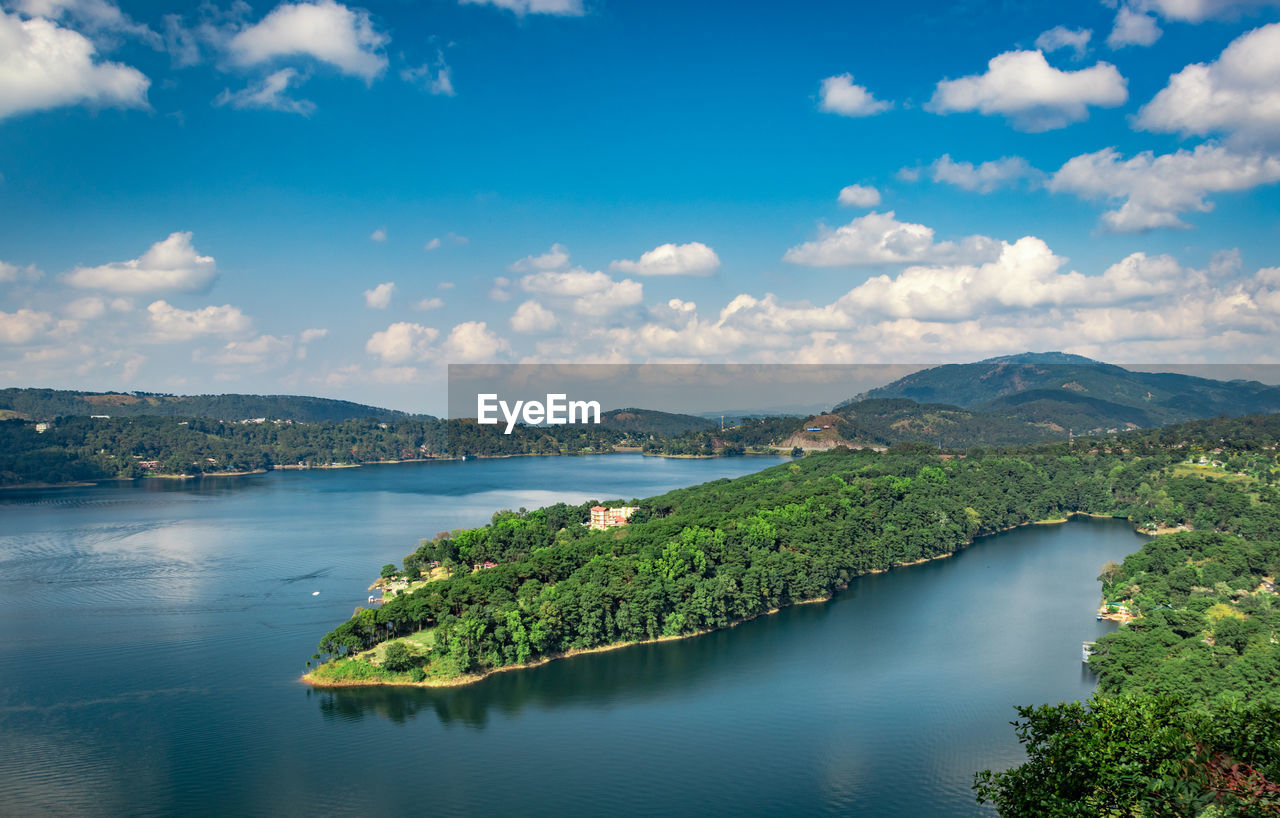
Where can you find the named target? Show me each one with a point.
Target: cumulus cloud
(379, 298)
(1025, 298)
(171, 265)
(563, 8)
(1076, 39)
(323, 30)
(23, 325)
(1197, 11)
(310, 335)
(1033, 95)
(1026, 275)
(43, 66)
(531, 317)
(879, 238)
(986, 177)
(1133, 28)
(402, 341)
(10, 273)
(859, 196)
(839, 95)
(378, 235)
(1156, 189)
(269, 93)
(1238, 94)
(554, 259)
(472, 342)
(86, 309)
(422, 305)
(592, 293)
(263, 350)
(433, 244)
(692, 259)
(170, 323)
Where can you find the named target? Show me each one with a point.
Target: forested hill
(1064, 391)
(651, 422)
(47, 404)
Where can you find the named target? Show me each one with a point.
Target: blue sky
(217, 198)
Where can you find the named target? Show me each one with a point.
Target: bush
(397, 658)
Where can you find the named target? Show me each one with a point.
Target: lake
(152, 634)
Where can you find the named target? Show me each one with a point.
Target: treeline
(82, 448)
(48, 404)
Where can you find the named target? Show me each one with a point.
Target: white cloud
(563, 8)
(260, 351)
(986, 177)
(310, 335)
(10, 273)
(402, 341)
(43, 65)
(1156, 189)
(379, 298)
(591, 293)
(554, 259)
(324, 30)
(437, 242)
(859, 196)
(436, 77)
(500, 291)
(169, 323)
(692, 259)
(378, 235)
(96, 16)
(1027, 275)
(23, 326)
(879, 238)
(472, 342)
(1033, 95)
(1238, 94)
(1077, 39)
(428, 304)
(1133, 28)
(1197, 11)
(269, 93)
(86, 309)
(838, 95)
(532, 317)
(567, 284)
(171, 265)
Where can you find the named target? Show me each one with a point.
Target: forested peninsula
(535, 585)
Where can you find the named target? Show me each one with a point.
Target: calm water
(151, 637)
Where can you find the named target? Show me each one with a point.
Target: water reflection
(637, 674)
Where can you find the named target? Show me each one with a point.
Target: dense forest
(536, 584)
(78, 448)
(48, 404)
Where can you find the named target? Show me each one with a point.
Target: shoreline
(622, 450)
(472, 678)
